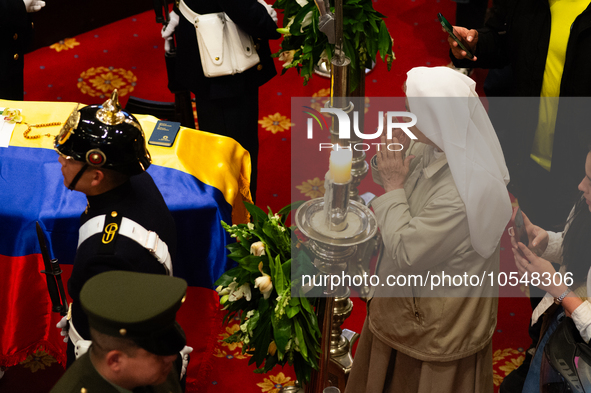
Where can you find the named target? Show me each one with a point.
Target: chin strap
(77, 177)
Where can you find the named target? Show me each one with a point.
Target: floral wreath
(275, 327)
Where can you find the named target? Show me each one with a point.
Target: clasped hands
(392, 165)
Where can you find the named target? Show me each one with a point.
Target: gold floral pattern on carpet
(319, 99)
(101, 81)
(68, 43)
(505, 361)
(274, 383)
(220, 353)
(275, 123)
(230, 350)
(229, 331)
(38, 360)
(313, 188)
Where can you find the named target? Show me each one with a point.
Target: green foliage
(274, 327)
(304, 46)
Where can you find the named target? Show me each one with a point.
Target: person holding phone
(444, 210)
(547, 47)
(570, 250)
(544, 157)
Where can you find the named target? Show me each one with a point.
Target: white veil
(451, 115)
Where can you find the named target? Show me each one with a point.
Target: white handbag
(224, 48)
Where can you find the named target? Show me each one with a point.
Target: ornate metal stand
(333, 250)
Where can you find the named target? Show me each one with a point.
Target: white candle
(340, 165)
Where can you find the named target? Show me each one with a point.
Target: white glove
(63, 324)
(270, 10)
(34, 5)
(169, 29)
(185, 355)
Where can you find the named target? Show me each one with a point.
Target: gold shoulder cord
(28, 130)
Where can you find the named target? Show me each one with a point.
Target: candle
(340, 165)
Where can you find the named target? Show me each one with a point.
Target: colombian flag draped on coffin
(203, 178)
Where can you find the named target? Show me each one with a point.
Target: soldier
(135, 337)
(126, 224)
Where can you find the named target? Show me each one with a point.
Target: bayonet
(53, 276)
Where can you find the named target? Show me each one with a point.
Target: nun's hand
(392, 165)
(403, 139)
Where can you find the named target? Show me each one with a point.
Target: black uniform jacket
(83, 375)
(139, 200)
(249, 15)
(518, 34)
(16, 30)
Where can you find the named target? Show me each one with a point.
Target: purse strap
(188, 13)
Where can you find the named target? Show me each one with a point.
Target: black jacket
(249, 15)
(16, 30)
(138, 200)
(518, 34)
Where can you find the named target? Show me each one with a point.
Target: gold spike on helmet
(105, 136)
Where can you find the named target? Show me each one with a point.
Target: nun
(429, 327)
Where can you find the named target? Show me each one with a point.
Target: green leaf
(284, 212)
(251, 264)
(292, 311)
(384, 40)
(306, 305)
(301, 341)
(374, 26)
(256, 212)
(239, 252)
(261, 341)
(228, 277)
(281, 332)
(279, 280)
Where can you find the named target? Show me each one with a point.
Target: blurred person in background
(16, 30)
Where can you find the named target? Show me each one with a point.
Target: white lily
(263, 283)
(240, 292)
(307, 21)
(223, 291)
(257, 249)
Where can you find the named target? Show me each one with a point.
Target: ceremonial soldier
(126, 224)
(135, 337)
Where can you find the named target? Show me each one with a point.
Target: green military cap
(138, 306)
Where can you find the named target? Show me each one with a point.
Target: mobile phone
(520, 231)
(449, 28)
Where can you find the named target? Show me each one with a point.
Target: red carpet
(129, 55)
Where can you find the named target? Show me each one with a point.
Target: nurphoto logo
(392, 122)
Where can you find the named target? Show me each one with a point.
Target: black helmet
(566, 366)
(105, 136)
